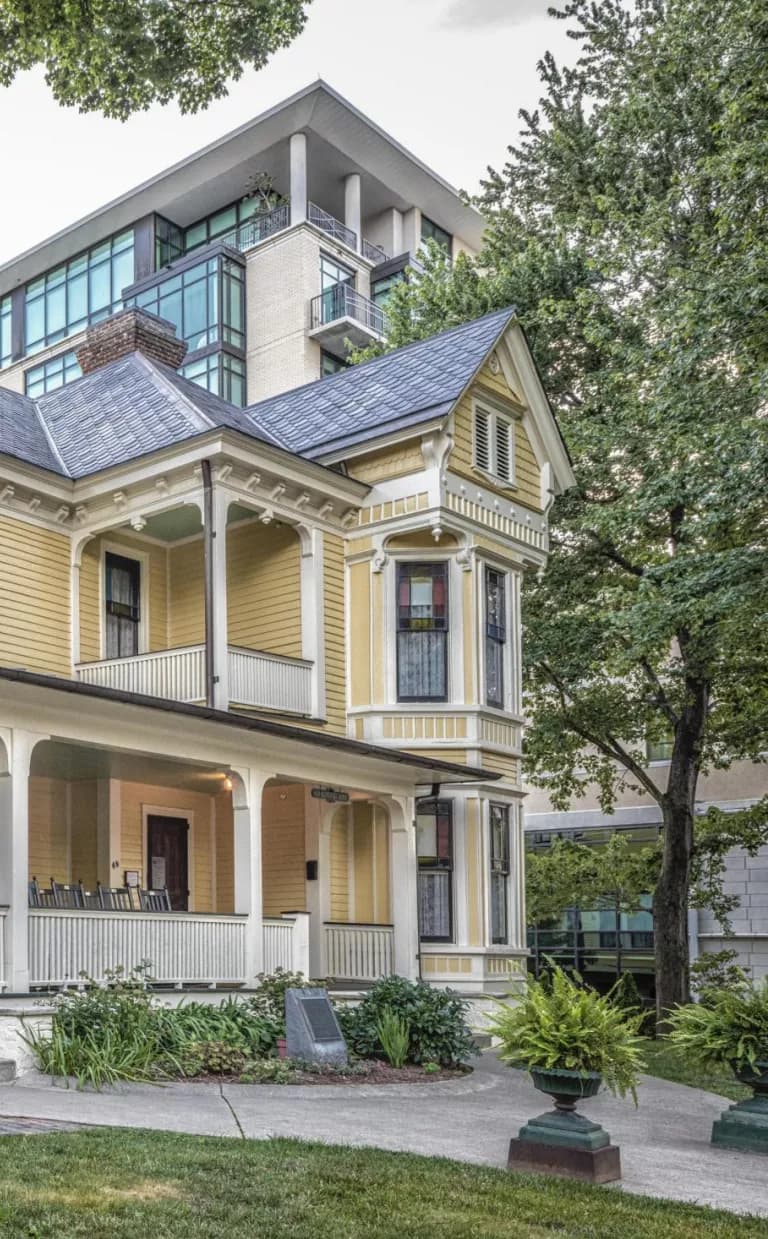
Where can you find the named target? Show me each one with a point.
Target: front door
(168, 858)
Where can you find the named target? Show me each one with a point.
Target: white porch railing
(286, 942)
(177, 675)
(3, 981)
(181, 947)
(256, 679)
(270, 681)
(359, 952)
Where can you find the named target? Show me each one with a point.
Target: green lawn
(667, 1065)
(147, 1185)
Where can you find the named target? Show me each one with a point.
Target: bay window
(422, 632)
(434, 849)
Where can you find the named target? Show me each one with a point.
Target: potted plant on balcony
(571, 1039)
(730, 1026)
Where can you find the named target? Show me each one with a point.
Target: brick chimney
(130, 331)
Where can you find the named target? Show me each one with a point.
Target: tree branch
(616, 557)
(609, 746)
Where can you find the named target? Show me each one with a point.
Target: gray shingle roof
(402, 388)
(22, 433)
(135, 406)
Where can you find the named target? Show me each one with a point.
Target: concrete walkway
(664, 1144)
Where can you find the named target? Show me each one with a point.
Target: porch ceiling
(59, 759)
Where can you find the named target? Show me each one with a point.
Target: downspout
(209, 533)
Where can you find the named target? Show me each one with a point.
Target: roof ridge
(334, 380)
(204, 421)
(57, 456)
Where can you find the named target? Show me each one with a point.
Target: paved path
(665, 1145)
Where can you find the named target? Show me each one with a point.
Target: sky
(446, 78)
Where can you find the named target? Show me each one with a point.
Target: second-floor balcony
(340, 316)
(265, 224)
(257, 680)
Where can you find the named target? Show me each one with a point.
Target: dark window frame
(500, 867)
(411, 624)
(434, 232)
(123, 563)
(496, 634)
(433, 866)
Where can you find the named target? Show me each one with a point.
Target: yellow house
(260, 667)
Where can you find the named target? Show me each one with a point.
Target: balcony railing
(342, 301)
(3, 981)
(258, 228)
(256, 679)
(334, 227)
(374, 253)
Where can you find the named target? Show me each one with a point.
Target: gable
(501, 402)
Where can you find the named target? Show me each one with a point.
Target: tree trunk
(671, 897)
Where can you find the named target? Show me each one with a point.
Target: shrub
(233, 1022)
(436, 1022)
(565, 1025)
(731, 1027)
(627, 997)
(394, 1033)
(715, 970)
(269, 1000)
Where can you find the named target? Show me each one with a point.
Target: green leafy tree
(629, 227)
(120, 56)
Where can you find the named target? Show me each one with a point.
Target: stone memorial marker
(312, 1032)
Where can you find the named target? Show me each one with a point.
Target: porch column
(248, 787)
(317, 848)
(215, 508)
(312, 620)
(353, 208)
(16, 748)
(298, 156)
(402, 812)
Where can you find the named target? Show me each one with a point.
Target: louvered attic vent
(495, 444)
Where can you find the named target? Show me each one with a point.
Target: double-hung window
(495, 444)
(434, 848)
(495, 636)
(123, 606)
(499, 865)
(422, 632)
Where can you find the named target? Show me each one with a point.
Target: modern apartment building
(259, 628)
(270, 250)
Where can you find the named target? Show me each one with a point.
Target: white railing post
(2, 948)
(300, 951)
(404, 892)
(248, 788)
(16, 748)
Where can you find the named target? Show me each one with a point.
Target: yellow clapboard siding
(381, 844)
(264, 588)
(48, 830)
(527, 474)
(360, 633)
(339, 877)
(186, 594)
(362, 833)
(35, 598)
(283, 850)
(225, 859)
(394, 461)
(83, 842)
(335, 652)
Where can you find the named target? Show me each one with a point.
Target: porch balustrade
(3, 981)
(256, 679)
(359, 952)
(286, 943)
(182, 948)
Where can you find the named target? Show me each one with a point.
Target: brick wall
(131, 331)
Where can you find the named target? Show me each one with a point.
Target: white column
(312, 605)
(403, 885)
(298, 148)
(353, 207)
(317, 846)
(108, 809)
(247, 799)
(14, 855)
(397, 232)
(412, 230)
(220, 642)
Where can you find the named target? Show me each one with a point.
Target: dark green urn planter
(745, 1125)
(561, 1141)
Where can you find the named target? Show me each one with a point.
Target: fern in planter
(560, 1025)
(731, 1027)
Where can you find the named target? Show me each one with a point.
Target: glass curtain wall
(6, 348)
(84, 290)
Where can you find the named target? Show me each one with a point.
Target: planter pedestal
(745, 1125)
(563, 1142)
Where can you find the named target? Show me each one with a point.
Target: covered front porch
(311, 870)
